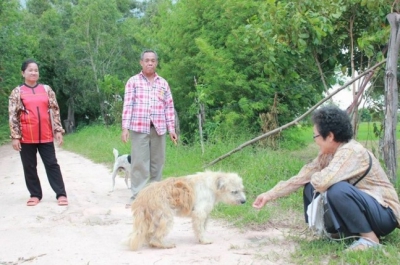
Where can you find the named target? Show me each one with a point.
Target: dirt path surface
(92, 229)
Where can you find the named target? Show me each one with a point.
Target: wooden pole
(391, 98)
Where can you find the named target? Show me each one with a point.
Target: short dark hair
(147, 51)
(26, 63)
(332, 119)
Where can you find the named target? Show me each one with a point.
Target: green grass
(261, 169)
(4, 133)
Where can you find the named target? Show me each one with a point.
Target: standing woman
(34, 118)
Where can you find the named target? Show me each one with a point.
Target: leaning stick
(240, 147)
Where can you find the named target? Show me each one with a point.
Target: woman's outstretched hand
(261, 200)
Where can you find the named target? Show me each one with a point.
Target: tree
(391, 99)
(94, 48)
(16, 44)
(38, 7)
(243, 54)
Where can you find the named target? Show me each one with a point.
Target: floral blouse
(349, 163)
(15, 107)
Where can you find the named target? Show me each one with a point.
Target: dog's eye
(235, 192)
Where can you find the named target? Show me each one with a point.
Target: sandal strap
(32, 201)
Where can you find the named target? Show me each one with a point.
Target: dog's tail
(115, 152)
(141, 222)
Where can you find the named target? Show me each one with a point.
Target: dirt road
(92, 229)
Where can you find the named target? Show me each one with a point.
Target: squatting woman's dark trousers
(353, 211)
(29, 163)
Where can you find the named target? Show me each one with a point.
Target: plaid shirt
(349, 163)
(145, 103)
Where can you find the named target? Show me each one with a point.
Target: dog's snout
(242, 201)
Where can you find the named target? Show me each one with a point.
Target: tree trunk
(352, 110)
(69, 123)
(355, 88)
(391, 98)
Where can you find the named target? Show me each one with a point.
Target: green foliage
(295, 138)
(231, 70)
(4, 132)
(235, 57)
(38, 7)
(79, 45)
(113, 90)
(14, 48)
(365, 115)
(94, 44)
(378, 129)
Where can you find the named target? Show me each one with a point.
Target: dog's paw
(162, 245)
(169, 245)
(205, 241)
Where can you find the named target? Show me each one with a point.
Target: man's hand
(125, 135)
(174, 138)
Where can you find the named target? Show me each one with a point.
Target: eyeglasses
(315, 136)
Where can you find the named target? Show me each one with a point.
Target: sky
(345, 97)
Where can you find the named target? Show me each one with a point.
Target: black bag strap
(366, 172)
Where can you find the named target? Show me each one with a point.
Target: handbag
(321, 219)
(315, 213)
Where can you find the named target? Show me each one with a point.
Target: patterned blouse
(15, 107)
(349, 163)
(146, 103)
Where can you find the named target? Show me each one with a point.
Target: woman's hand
(59, 138)
(16, 144)
(261, 200)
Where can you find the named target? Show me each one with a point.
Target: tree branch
(320, 71)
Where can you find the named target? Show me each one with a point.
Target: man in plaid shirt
(148, 113)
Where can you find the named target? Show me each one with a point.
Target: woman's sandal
(32, 201)
(363, 244)
(62, 201)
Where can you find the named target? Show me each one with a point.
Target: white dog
(121, 163)
(194, 195)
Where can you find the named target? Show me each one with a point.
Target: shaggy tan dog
(195, 195)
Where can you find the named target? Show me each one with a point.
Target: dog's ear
(220, 183)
